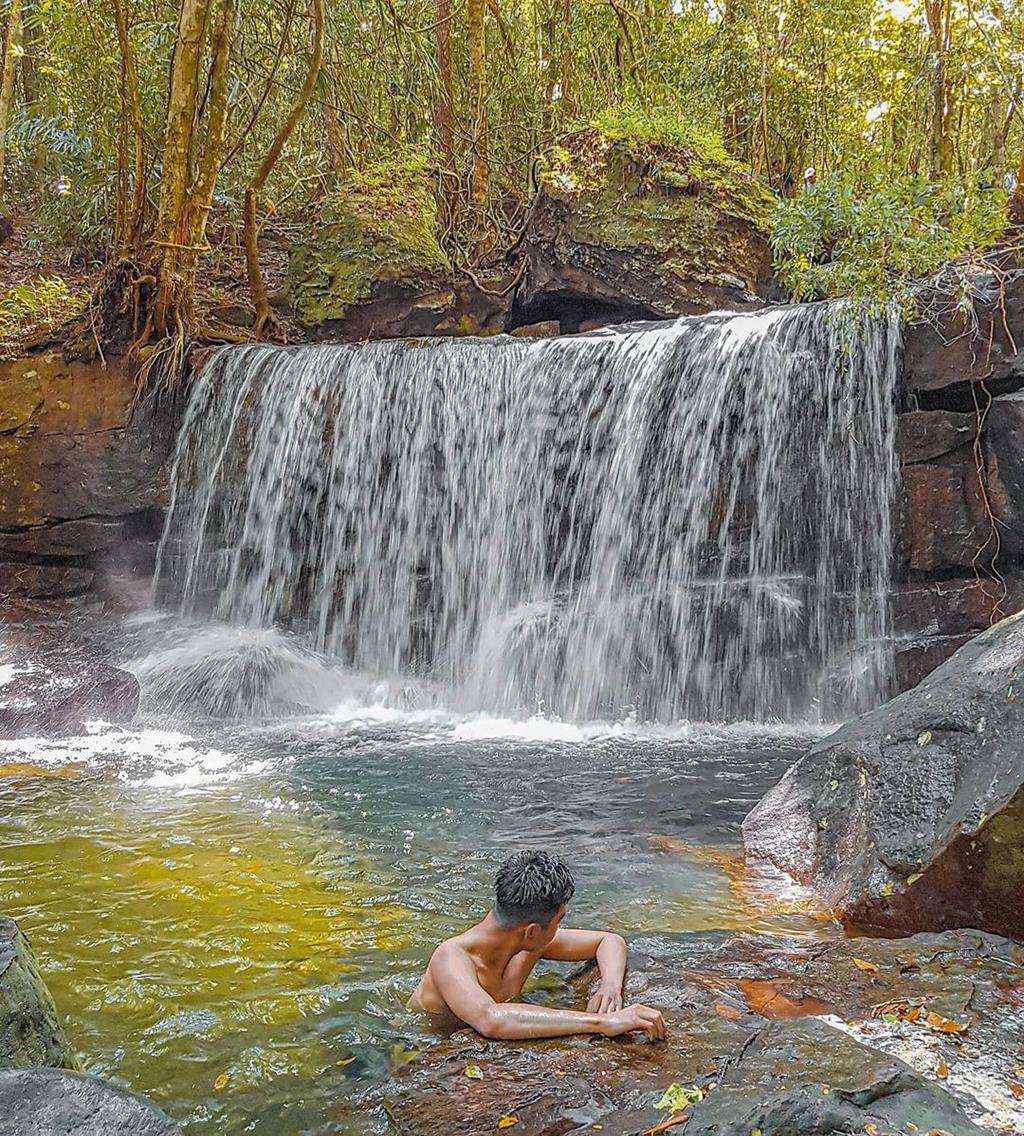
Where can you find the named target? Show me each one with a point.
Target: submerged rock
(52, 1102)
(54, 695)
(911, 817)
(30, 1031)
(793, 1036)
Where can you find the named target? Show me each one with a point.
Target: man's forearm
(611, 962)
(518, 1020)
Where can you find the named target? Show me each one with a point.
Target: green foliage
(678, 1097)
(665, 126)
(34, 307)
(872, 243)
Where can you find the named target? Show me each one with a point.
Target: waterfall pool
(231, 917)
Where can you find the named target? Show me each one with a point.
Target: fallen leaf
(730, 1013)
(924, 737)
(474, 1072)
(221, 1081)
(678, 1097)
(863, 964)
(911, 880)
(942, 1069)
(914, 1013)
(508, 1122)
(597, 1127)
(561, 1073)
(345, 1061)
(1016, 1088)
(769, 998)
(940, 1024)
(887, 888)
(871, 1129)
(912, 1127)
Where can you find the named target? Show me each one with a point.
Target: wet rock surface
(56, 694)
(30, 1030)
(912, 816)
(52, 1102)
(792, 1036)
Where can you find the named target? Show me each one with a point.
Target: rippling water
(231, 919)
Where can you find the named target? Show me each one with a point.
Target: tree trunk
(33, 43)
(172, 233)
(336, 151)
(201, 193)
(443, 107)
(129, 227)
(12, 41)
(252, 253)
(939, 16)
(481, 173)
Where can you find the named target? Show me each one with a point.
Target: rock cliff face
(961, 449)
(81, 477)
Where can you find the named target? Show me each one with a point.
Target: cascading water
(683, 520)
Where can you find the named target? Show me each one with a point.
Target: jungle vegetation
(188, 138)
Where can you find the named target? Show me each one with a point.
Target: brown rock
(943, 350)
(42, 581)
(915, 661)
(1004, 442)
(923, 435)
(946, 520)
(952, 607)
(540, 330)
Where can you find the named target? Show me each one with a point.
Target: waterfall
(682, 520)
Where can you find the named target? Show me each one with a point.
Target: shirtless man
(476, 976)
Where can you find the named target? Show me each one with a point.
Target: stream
(231, 917)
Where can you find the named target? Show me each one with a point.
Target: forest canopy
(177, 134)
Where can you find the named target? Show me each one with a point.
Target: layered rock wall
(82, 482)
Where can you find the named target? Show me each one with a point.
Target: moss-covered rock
(30, 1031)
(649, 225)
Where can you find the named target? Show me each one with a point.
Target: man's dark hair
(530, 887)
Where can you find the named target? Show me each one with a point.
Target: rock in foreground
(52, 1102)
(792, 1037)
(911, 817)
(30, 1031)
(55, 695)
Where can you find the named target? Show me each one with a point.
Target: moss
(642, 159)
(381, 227)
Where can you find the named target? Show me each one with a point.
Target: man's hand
(634, 1018)
(607, 999)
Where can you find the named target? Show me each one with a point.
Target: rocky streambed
(782, 1036)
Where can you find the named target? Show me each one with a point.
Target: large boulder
(642, 227)
(375, 269)
(30, 1031)
(911, 817)
(52, 1102)
(765, 1029)
(55, 695)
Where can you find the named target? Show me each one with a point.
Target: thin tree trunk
(172, 234)
(130, 227)
(443, 107)
(939, 16)
(481, 173)
(252, 253)
(33, 43)
(336, 152)
(12, 41)
(201, 193)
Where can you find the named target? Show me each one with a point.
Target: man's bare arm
(456, 981)
(608, 949)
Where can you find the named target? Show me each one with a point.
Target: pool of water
(231, 917)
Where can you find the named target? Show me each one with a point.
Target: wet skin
(475, 977)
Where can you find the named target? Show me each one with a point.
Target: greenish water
(231, 921)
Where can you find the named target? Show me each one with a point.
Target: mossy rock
(381, 229)
(656, 228)
(30, 1030)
